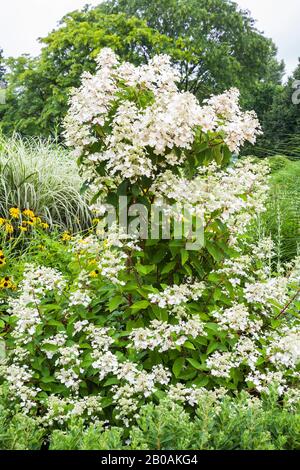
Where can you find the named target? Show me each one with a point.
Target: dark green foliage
(38, 88)
(282, 121)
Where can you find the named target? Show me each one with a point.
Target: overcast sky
(23, 21)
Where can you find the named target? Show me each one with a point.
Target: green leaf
(189, 345)
(160, 313)
(217, 294)
(201, 381)
(201, 340)
(212, 327)
(159, 255)
(85, 346)
(214, 251)
(140, 305)
(51, 307)
(115, 302)
(50, 347)
(188, 270)
(131, 324)
(168, 267)
(111, 381)
(237, 375)
(213, 277)
(212, 347)
(178, 366)
(188, 374)
(55, 322)
(194, 363)
(48, 379)
(145, 269)
(184, 256)
(106, 402)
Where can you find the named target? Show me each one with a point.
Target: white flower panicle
(164, 336)
(178, 294)
(169, 121)
(284, 349)
(267, 292)
(245, 351)
(236, 194)
(237, 318)
(192, 395)
(37, 281)
(109, 254)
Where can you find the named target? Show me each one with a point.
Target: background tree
(282, 121)
(225, 47)
(26, 97)
(38, 88)
(213, 44)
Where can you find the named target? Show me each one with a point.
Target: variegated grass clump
(41, 175)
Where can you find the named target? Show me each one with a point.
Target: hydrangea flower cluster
(233, 195)
(164, 336)
(153, 124)
(176, 295)
(37, 282)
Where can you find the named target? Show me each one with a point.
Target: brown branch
(288, 304)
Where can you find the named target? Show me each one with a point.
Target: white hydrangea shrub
(134, 320)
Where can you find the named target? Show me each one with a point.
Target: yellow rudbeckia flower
(9, 228)
(14, 212)
(29, 213)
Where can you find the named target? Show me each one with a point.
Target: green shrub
(230, 423)
(95, 437)
(18, 431)
(73, 329)
(234, 423)
(239, 423)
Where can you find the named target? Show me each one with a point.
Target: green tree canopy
(213, 44)
(282, 122)
(39, 88)
(225, 47)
